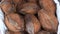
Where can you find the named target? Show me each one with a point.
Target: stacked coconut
(30, 16)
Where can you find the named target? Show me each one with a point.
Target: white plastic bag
(2, 25)
(58, 14)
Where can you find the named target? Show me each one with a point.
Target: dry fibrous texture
(18, 33)
(48, 5)
(18, 2)
(29, 8)
(44, 32)
(39, 16)
(14, 22)
(10, 32)
(32, 24)
(6, 1)
(48, 21)
(8, 7)
(33, 1)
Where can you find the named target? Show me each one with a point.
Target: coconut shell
(48, 5)
(44, 32)
(10, 32)
(14, 22)
(29, 8)
(32, 24)
(48, 21)
(6, 1)
(32, 1)
(18, 2)
(8, 7)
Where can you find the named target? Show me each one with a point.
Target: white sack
(2, 25)
(58, 14)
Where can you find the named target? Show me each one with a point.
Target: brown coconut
(8, 7)
(14, 22)
(48, 5)
(29, 8)
(32, 24)
(48, 21)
